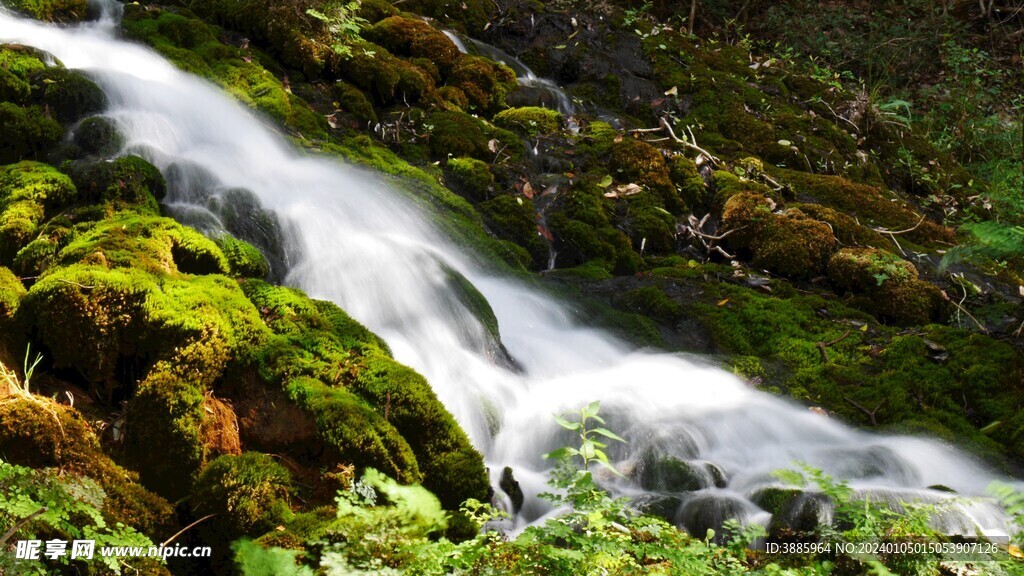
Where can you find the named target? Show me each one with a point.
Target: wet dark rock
(510, 486)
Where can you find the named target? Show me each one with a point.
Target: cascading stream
(368, 248)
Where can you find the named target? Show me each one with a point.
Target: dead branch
(822, 346)
(871, 413)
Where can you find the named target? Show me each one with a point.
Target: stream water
(358, 242)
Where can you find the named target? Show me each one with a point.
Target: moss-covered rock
(688, 182)
(126, 182)
(634, 161)
(484, 82)
(243, 258)
(29, 131)
(68, 94)
(887, 285)
(148, 243)
(98, 136)
(40, 433)
(52, 10)
(470, 178)
(29, 191)
(456, 134)
(414, 38)
(651, 301)
(514, 219)
(529, 121)
(793, 246)
(11, 293)
(354, 101)
(249, 493)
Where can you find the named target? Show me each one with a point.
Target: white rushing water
(366, 247)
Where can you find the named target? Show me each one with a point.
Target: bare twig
(10, 532)
(871, 413)
(185, 529)
(822, 346)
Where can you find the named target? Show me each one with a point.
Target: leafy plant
(342, 24)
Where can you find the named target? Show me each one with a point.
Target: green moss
(651, 229)
(126, 182)
(690, 186)
(194, 47)
(11, 293)
(455, 134)
(98, 136)
(651, 301)
(52, 10)
(353, 101)
(453, 96)
(513, 218)
(597, 138)
(243, 258)
(470, 177)
(150, 243)
(111, 325)
(870, 204)
(414, 38)
(634, 161)
(886, 285)
(29, 132)
(28, 190)
(68, 94)
(469, 16)
(249, 493)
(529, 121)
(864, 269)
(793, 246)
(727, 184)
(484, 82)
(847, 231)
(369, 410)
(50, 435)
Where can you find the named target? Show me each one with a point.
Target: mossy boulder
(368, 409)
(684, 175)
(29, 191)
(249, 493)
(727, 184)
(126, 182)
(52, 10)
(794, 246)
(514, 219)
(470, 178)
(787, 243)
(414, 38)
(457, 134)
(354, 101)
(886, 285)
(149, 243)
(17, 65)
(111, 325)
(846, 229)
(68, 94)
(40, 433)
(651, 301)
(634, 161)
(98, 136)
(243, 258)
(530, 121)
(29, 132)
(389, 79)
(484, 82)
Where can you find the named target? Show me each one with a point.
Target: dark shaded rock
(510, 486)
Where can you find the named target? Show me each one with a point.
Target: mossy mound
(194, 46)
(470, 177)
(530, 121)
(98, 136)
(11, 293)
(514, 219)
(40, 433)
(634, 161)
(686, 178)
(29, 191)
(29, 131)
(788, 243)
(126, 182)
(414, 38)
(484, 82)
(456, 134)
(368, 409)
(52, 10)
(68, 94)
(243, 258)
(887, 285)
(389, 79)
(147, 243)
(249, 493)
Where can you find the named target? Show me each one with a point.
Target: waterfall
(360, 243)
